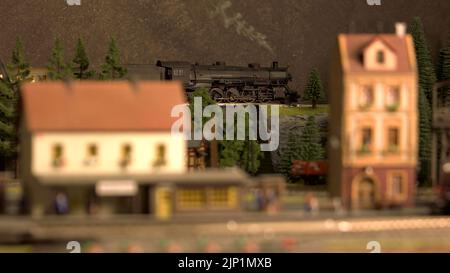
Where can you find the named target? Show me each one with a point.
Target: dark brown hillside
(298, 33)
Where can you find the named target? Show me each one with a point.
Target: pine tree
(310, 148)
(444, 70)
(424, 136)
(314, 91)
(241, 153)
(19, 69)
(245, 154)
(289, 153)
(112, 68)
(57, 68)
(427, 76)
(8, 106)
(81, 62)
(230, 152)
(17, 72)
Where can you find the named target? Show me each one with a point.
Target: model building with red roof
(373, 121)
(105, 137)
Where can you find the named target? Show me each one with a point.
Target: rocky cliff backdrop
(297, 33)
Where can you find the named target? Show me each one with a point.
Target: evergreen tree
(250, 155)
(289, 153)
(424, 136)
(245, 154)
(112, 68)
(230, 152)
(427, 76)
(310, 148)
(19, 69)
(306, 147)
(57, 68)
(8, 106)
(444, 70)
(203, 93)
(242, 153)
(314, 91)
(81, 62)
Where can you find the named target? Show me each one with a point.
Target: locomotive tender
(233, 83)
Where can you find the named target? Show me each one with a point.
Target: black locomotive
(233, 83)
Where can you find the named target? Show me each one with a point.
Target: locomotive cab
(176, 71)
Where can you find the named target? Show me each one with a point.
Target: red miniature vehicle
(309, 168)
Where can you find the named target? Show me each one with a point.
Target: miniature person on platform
(61, 203)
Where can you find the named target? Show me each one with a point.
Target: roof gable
(378, 55)
(353, 46)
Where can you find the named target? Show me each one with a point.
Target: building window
(91, 155)
(125, 159)
(366, 140)
(57, 156)
(160, 156)
(218, 198)
(178, 72)
(191, 199)
(397, 186)
(380, 56)
(393, 139)
(393, 98)
(366, 96)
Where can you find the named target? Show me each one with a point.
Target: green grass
(305, 110)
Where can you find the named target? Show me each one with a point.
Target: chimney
(400, 29)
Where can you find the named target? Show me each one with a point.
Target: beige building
(97, 139)
(373, 122)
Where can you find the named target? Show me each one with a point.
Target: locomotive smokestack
(275, 65)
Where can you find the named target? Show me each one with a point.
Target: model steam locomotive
(233, 83)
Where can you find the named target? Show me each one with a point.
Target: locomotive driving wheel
(216, 94)
(232, 95)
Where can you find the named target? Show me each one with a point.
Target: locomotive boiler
(233, 83)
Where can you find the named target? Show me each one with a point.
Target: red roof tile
(100, 106)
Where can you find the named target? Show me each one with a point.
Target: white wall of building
(109, 145)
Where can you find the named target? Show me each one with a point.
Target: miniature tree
(289, 153)
(444, 70)
(250, 155)
(81, 62)
(424, 136)
(57, 68)
(19, 69)
(206, 100)
(112, 68)
(243, 153)
(230, 152)
(8, 106)
(427, 76)
(17, 72)
(314, 91)
(310, 148)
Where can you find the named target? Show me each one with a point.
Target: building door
(366, 194)
(163, 202)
